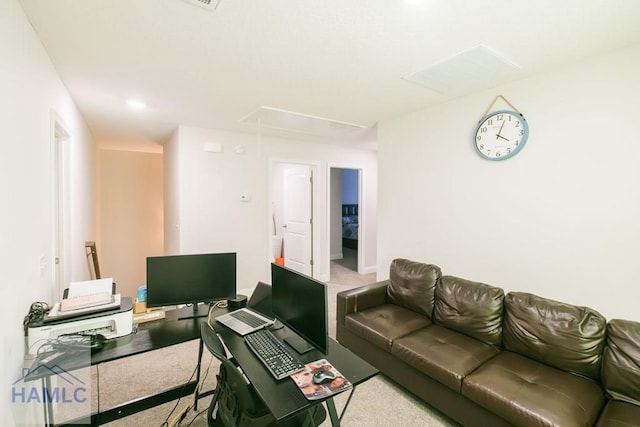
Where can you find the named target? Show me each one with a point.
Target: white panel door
(298, 219)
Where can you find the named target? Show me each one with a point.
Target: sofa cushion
(472, 308)
(619, 414)
(564, 336)
(621, 361)
(412, 285)
(526, 392)
(381, 325)
(443, 354)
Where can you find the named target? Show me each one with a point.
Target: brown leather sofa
(484, 358)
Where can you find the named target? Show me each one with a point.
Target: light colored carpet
(377, 402)
(349, 260)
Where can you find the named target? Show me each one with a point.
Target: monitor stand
(299, 344)
(276, 325)
(195, 312)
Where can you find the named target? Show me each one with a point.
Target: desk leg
(199, 366)
(331, 407)
(48, 404)
(333, 414)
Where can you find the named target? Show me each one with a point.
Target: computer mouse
(322, 376)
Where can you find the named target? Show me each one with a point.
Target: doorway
(292, 212)
(345, 217)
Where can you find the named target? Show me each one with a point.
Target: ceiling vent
(205, 4)
(295, 122)
(474, 68)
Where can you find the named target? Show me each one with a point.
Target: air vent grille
(206, 4)
(474, 68)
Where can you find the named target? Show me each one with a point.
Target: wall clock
(500, 135)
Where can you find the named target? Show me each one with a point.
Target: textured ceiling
(344, 60)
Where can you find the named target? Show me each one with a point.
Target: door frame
(361, 214)
(60, 257)
(315, 227)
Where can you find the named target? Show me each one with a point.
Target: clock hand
(500, 131)
(498, 136)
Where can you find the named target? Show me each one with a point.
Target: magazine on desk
(304, 381)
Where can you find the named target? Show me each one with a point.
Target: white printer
(110, 322)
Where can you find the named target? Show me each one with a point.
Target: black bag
(235, 403)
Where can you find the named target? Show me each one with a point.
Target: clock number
(499, 117)
(483, 129)
(497, 154)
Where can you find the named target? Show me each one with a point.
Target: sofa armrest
(361, 298)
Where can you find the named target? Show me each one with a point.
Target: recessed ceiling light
(136, 103)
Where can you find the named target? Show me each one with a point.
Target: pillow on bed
(349, 219)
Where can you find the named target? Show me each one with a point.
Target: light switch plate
(213, 147)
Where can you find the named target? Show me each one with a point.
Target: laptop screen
(260, 300)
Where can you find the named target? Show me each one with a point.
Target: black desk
(283, 398)
(149, 336)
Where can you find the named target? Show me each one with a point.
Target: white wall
(212, 217)
(31, 89)
(170, 160)
(561, 219)
(131, 215)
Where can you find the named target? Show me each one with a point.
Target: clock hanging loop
(494, 102)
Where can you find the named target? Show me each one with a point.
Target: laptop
(260, 300)
(246, 320)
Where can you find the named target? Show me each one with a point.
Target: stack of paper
(86, 297)
(85, 301)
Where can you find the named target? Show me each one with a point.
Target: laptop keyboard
(273, 354)
(248, 318)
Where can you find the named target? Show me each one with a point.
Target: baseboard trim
(370, 269)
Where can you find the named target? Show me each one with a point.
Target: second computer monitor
(300, 302)
(190, 279)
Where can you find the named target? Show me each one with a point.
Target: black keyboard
(273, 354)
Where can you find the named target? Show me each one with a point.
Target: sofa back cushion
(472, 308)
(412, 285)
(564, 336)
(621, 361)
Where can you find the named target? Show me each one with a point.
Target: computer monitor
(190, 279)
(300, 303)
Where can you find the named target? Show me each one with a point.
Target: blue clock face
(500, 135)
